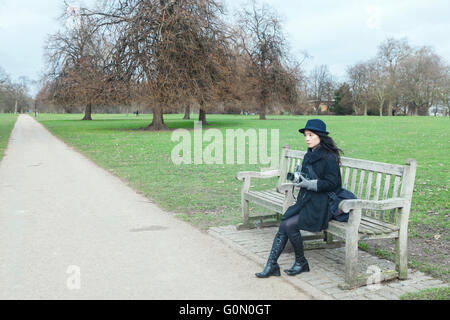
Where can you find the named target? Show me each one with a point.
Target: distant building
(439, 111)
(324, 106)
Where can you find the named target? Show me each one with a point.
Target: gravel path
(71, 230)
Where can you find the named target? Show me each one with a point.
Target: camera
(294, 176)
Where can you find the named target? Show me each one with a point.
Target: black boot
(301, 264)
(272, 268)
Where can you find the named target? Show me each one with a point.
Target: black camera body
(294, 177)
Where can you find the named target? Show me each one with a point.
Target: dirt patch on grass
(427, 251)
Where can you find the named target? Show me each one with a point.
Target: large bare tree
(261, 38)
(422, 75)
(77, 59)
(358, 79)
(171, 50)
(391, 53)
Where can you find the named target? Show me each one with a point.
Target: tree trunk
(389, 113)
(187, 111)
(202, 116)
(318, 110)
(88, 112)
(381, 109)
(263, 110)
(365, 109)
(158, 121)
(262, 115)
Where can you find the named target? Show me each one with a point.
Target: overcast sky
(337, 33)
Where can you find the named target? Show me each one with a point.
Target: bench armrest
(347, 205)
(258, 174)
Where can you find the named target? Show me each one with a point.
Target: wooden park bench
(381, 211)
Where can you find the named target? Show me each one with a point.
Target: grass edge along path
(440, 293)
(7, 122)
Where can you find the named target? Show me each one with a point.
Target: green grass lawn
(429, 294)
(7, 121)
(209, 194)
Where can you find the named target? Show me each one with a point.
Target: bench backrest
(368, 180)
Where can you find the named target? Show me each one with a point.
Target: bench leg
(351, 260)
(351, 249)
(401, 256)
(245, 211)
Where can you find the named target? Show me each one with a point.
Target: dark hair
(328, 144)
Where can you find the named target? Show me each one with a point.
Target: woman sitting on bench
(310, 212)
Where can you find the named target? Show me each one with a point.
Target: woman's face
(312, 139)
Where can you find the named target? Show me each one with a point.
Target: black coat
(312, 206)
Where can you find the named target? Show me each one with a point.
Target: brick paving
(327, 266)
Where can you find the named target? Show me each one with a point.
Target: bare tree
(391, 53)
(14, 95)
(443, 91)
(421, 77)
(378, 83)
(168, 49)
(77, 60)
(261, 38)
(321, 86)
(359, 81)
(414, 78)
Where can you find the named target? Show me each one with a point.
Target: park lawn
(7, 121)
(210, 193)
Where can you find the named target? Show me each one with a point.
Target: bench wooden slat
(363, 229)
(387, 184)
(295, 154)
(361, 183)
(274, 205)
(395, 193)
(377, 229)
(353, 186)
(393, 169)
(347, 174)
(376, 195)
(382, 224)
(272, 194)
(339, 228)
(267, 195)
(368, 186)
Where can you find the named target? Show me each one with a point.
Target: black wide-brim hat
(315, 125)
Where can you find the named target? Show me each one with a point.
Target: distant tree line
(400, 79)
(166, 56)
(14, 95)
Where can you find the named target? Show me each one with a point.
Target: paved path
(71, 230)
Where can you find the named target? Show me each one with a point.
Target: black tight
(290, 225)
(291, 229)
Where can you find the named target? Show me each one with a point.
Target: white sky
(337, 33)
